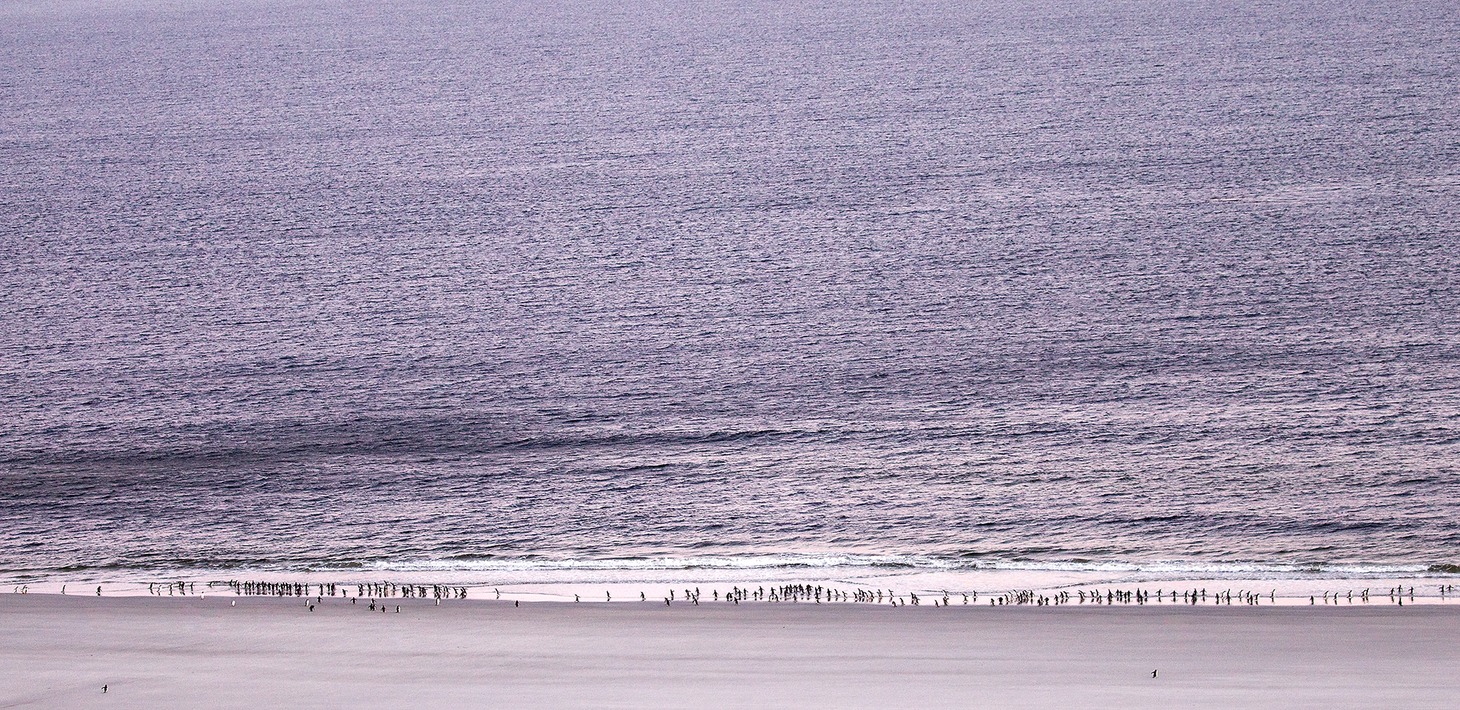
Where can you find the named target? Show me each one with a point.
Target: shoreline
(226, 652)
(959, 590)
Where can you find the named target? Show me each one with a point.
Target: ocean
(481, 289)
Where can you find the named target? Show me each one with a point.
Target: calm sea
(474, 285)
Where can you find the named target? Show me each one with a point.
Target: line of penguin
(806, 593)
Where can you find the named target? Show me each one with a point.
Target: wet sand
(58, 651)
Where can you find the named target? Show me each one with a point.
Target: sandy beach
(58, 651)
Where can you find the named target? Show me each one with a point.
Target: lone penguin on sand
(1153, 674)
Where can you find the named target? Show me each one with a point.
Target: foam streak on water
(294, 286)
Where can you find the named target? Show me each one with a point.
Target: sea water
(559, 291)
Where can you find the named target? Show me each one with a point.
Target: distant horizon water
(578, 291)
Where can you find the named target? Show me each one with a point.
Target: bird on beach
(103, 690)
(1153, 674)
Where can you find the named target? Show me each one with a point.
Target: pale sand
(272, 653)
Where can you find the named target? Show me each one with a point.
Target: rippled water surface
(303, 284)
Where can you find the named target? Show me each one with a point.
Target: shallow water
(415, 285)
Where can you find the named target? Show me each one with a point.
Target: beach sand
(58, 651)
